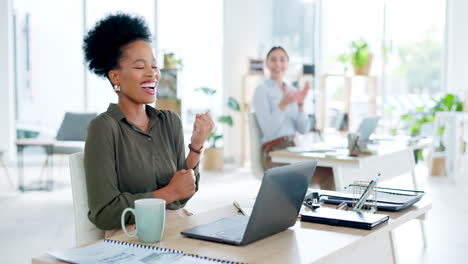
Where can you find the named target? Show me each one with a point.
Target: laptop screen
(367, 127)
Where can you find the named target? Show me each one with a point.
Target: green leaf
(343, 58)
(406, 117)
(419, 154)
(359, 54)
(441, 130)
(449, 98)
(233, 104)
(431, 118)
(415, 128)
(359, 58)
(206, 90)
(226, 119)
(420, 109)
(212, 138)
(459, 107)
(216, 138)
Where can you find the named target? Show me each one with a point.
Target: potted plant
(213, 156)
(422, 116)
(361, 59)
(171, 62)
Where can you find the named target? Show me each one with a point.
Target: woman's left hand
(202, 127)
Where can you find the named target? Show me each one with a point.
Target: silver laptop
(276, 208)
(367, 127)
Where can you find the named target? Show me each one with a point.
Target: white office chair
(85, 231)
(255, 146)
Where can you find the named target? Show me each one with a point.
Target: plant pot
(438, 166)
(364, 70)
(213, 159)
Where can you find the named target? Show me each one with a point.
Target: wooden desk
(302, 243)
(346, 169)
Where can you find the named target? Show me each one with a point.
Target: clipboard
(344, 218)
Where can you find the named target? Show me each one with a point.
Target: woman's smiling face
(277, 63)
(138, 74)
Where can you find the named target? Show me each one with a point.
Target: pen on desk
(342, 206)
(362, 200)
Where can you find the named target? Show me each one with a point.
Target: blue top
(273, 122)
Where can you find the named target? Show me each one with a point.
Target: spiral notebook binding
(213, 259)
(144, 246)
(123, 243)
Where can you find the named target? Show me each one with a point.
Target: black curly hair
(103, 44)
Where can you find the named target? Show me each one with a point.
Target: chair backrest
(255, 146)
(74, 126)
(85, 231)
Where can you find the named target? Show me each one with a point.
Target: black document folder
(344, 218)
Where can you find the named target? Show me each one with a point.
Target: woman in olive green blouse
(132, 150)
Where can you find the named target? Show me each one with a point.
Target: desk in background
(48, 145)
(392, 158)
(303, 243)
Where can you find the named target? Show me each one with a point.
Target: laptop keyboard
(234, 233)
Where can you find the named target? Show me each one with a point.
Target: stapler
(312, 200)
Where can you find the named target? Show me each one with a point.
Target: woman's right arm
(105, 200)
(270, 118)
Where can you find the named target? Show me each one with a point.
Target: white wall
(245, 29)
(7, 131)
(457, 47)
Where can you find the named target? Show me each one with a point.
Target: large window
(293, 26)
(48, 62)
(414, 46)
(49, 56)
(406, 41)
(50, 77)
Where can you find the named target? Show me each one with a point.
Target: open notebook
(117, 252)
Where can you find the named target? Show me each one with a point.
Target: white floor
(34, 222)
